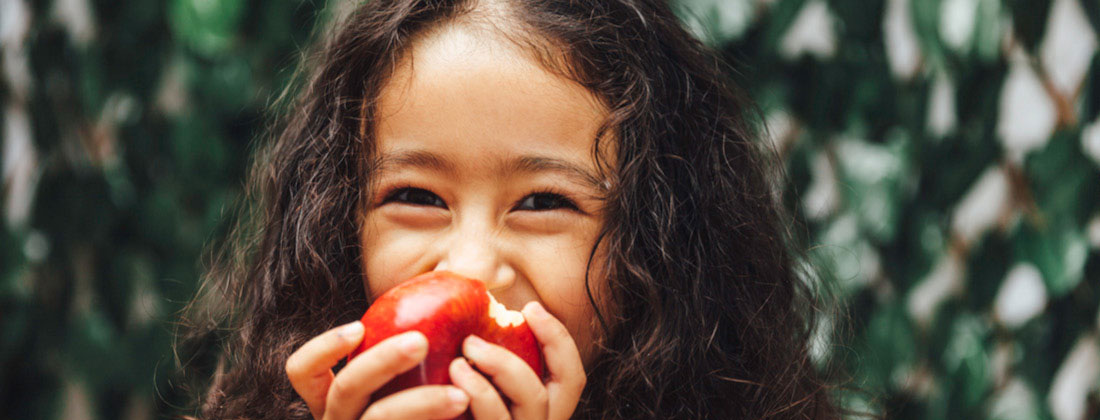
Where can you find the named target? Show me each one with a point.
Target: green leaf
(988, 266)
(873, 177)
(1058, 250)
(207, 26)
(1065, 182)
(1029, 18)
(779, 21)
(716, 21)
(966, 363)
(890, 352)
(989, 30)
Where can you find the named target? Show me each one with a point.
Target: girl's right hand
(347, 395)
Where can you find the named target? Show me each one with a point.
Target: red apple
(447, 308)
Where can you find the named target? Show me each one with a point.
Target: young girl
(587, 159)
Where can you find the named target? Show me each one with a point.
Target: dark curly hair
(713, 317)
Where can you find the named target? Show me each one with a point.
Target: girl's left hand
(531, 399)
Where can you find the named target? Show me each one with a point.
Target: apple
(446, 308)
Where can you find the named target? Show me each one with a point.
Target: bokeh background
(944, 156)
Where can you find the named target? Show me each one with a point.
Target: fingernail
(351, 331)
(457, 397)
(477, 341)
(463, 366)
(538, 310)
(477, 346)
(412, 342)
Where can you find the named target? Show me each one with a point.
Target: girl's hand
(347, 395)
(531, 399)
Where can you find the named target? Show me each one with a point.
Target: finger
(563, 360)
(422, 402)
(366, 373)
(310, 367)
(513, 376)
(485, 402)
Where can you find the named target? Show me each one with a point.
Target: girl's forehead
(468, 55)
(462, 91)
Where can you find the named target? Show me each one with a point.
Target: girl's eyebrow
(414, 158)
(523, 164)
(533, 164)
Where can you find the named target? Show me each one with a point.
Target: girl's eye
(546, 201)
(415, 196)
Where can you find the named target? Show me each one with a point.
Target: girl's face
(486, 170)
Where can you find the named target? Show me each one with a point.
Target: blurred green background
(945, 155)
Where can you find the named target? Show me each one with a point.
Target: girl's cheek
(394, 245)
(557, 270)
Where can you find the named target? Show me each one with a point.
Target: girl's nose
(477, 255)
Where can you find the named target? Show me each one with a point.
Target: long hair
(711, 320)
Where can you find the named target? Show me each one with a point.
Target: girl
(586, 159)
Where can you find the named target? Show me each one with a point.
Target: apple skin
(446, 308)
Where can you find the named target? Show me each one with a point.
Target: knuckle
(377, 412)
(560, 334)
(482, 388)
(476, 387)
(293, 366)
(341, 388)
(496, 350)
(396, 365)
(542, 397)
(517, 368)
(396, 355)
(488, 368)
(404, 357)
(576, 381)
